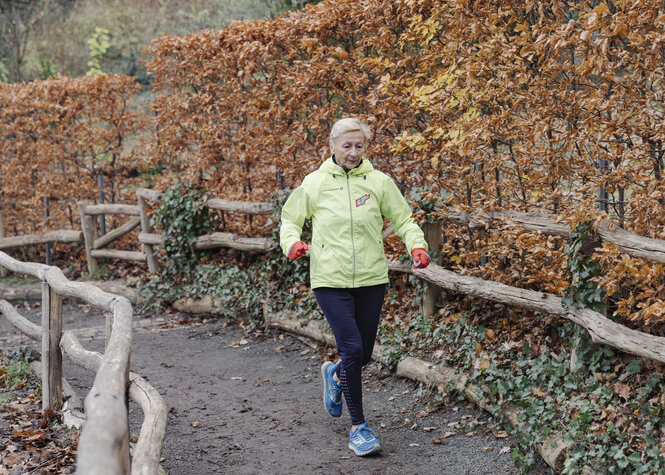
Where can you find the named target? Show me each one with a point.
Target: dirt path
(243, 403)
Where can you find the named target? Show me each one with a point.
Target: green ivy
(183, 217)
(273, 280)
(583, 291)
(427, 203)
(16, 366)
(572, 404)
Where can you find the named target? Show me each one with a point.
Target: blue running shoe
(363, 440)
(332, 392)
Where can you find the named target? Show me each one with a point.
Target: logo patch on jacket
(361, 201)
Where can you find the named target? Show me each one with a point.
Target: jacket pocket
(374, 259)
(322, 260)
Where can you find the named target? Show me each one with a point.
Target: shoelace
(334, 392)
(366, 433)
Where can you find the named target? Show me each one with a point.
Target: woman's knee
(353, 356)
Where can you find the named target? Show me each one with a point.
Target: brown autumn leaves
(532, 106)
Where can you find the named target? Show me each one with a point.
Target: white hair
(347, 125)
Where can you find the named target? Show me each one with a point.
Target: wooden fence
(601, 329)
(94, 244)
(104, 442)
(630, 243)
(111, 378)
(214, 240)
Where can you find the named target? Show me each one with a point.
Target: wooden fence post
(434, 237)
(153, 264)
(3, 270)
(88, 228)
(51, 354)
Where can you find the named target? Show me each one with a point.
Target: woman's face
(348, 148)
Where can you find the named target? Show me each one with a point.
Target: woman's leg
(368, 303)
(339, 307)
(353, 315)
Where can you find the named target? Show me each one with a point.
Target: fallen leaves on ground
(33, 441)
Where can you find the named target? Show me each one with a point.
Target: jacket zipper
(353, 244)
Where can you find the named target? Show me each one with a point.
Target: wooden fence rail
(602, 329)
(631, 243)
(63, 235)
(104, 441)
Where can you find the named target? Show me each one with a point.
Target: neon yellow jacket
(346, 208)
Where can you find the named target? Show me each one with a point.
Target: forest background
(40, 38)
(554, 107)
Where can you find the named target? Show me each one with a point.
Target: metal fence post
(48, 244)
(3, 270)
(603, 197)
(102, 218)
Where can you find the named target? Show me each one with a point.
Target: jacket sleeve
(294, 212)
(396, 209)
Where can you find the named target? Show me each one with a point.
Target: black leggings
(353, 315)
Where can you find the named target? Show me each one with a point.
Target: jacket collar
(329, 166)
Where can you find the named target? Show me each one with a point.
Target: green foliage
(17, 373)
(426, 202)
(554, 399)
(23, 354)
(16, 368)
(237, 290)
(183, 218)
(98, 45)
(45, 69)
(583, 291)
(403, 336)
(59, 31)
(4, 72)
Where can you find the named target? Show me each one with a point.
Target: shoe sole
(323, 377)
(373, 450)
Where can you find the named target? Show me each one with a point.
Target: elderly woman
(346, 198)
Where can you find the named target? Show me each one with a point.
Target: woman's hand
(420, 258)
(298, 249)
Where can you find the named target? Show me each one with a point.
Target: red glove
(298, 249)
(420, 258)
